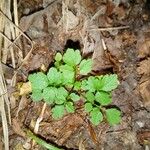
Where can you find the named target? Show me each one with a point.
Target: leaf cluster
(69, 81)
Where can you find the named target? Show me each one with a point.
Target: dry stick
(6, 94)
(27, 56)
(110, 28)
(16, 16)
(18, 28)
(8, 40)
(40, 118)
(12, 43)
(4, 98)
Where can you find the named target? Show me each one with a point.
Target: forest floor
(116, 35)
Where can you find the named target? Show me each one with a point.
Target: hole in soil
(72, 44)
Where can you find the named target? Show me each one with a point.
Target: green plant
(69, 81)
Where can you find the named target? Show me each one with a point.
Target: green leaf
(88, 107)
(36, 95)
(71, 57)
(55, 77)
(109, 82)
(74, 97)
(90, 96)
(58, 57)
(38, 81)
(66, 68)
(61, 95)
(57, 64)
(77, 85)
(69, 107)
(49, 94)
(84, 85)
(68, 74)
(103, 98)
(58, 111)
(96, 116)
(90, 84)
(85, 66)
(113, 116)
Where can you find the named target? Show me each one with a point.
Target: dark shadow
(72, 44)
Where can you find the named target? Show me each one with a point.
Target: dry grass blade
(110, 28)
(8, 33)
(3, 96)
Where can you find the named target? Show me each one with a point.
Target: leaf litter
(50, 31)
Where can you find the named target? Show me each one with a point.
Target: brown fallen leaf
(145, 92)
(144, 48)
(25, 88)
(144, 67)
(17, 127)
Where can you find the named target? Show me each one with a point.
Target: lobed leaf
(88, 107)
(70, 107)
(113, 116)
(85, 66)
(68, 74)
(109, 82)
(61, 95)
(77, 85)
(38, 81)
(90, 96)
(49, 94)
(103, 98)
(54, 76)
(74, 97)
(71, 57)
(96, 116)
(58, 111)
(36, 95)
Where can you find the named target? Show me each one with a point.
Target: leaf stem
(41, 142)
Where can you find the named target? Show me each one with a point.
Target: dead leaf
(144, 67)
(17, 127)
(25, 88)
(144, 48)
(145, 92)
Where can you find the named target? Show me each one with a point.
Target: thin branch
(110, 28)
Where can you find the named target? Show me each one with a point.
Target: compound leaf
(72, 57)
(55, 77)
(70, 107)
(103, 98)
(38, 80)
(85, 66)
(49, 94)
(109, 82)
(58, 111)
(74, 97)
(88, 107)
(96, 116)
(113, 116)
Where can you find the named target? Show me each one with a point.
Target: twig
(109, 28)
(40, 118)
(16, 27)
(9, 41)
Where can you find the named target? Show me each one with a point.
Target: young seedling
(69, 81)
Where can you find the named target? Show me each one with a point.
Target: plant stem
(41, 142)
